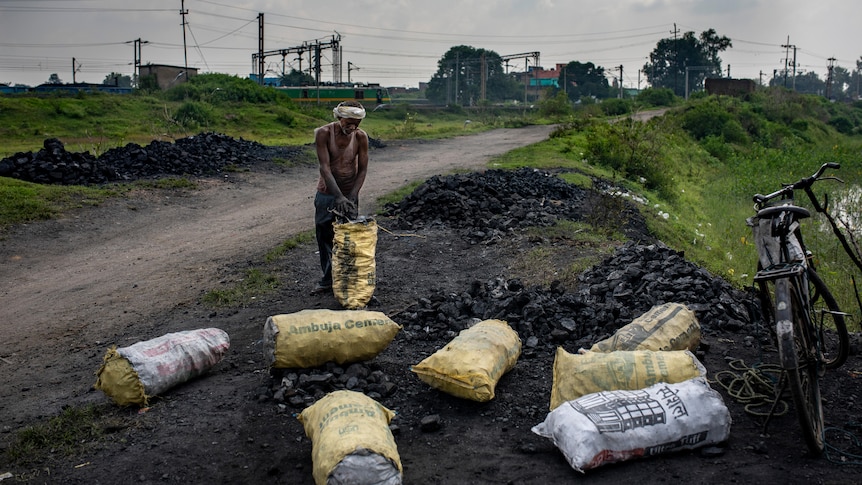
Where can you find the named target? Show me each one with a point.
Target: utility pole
(136, 71)
(75, 68)
(794, 68)
(675, 31)
(336, 58)
(621, 80)
(261, 63)
(787, 46)
(350, 67)
(483, 71)
(728, 71)
(457, 74)
(183, 13)
(829, 78)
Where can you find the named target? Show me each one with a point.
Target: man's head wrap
(346, 111)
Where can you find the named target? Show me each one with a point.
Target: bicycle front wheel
(832, 337)
(800, 360)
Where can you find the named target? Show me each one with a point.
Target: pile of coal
(609, 296)
(487, 206)
(205, 154)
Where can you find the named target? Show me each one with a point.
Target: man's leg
(325, 235)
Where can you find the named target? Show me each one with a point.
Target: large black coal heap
(199, 155)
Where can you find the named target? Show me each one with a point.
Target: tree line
(467, 75)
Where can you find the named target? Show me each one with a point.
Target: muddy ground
(137, 268)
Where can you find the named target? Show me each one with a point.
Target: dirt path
(136, 257)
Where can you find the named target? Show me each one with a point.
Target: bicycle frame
(783, 255)
(789, 286)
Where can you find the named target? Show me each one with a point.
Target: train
(365, 93)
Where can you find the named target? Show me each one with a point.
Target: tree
(297, 78)
(463, 72)
(855, 85)
(809, 83)
(54, 79)
(117, 79)
(840, 84)
(584, 79)
(671, 58)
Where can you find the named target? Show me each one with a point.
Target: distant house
(730, 87)
(167, 76)
(541, 77)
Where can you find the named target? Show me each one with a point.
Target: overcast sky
(398, 42)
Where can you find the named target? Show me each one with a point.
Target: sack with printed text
(354, 273)
(576, 375)
(670, 326)
(310, 338)
(612, 426)
(351, 441)
(134, 374)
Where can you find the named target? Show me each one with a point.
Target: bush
(192, 113)
(555, 106)
(717, 148)
(656, 97)
(633, 149)
(705, 119)
(616, 107)
(842, 124)
(285, 117)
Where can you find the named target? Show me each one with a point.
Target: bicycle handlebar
(803, 183)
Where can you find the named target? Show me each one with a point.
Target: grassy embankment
(695, 170)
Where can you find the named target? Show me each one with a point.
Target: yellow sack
(671, 326)
(472, 363)
(310, 338)
(354, 274)
(577, 375)
(119, 381)
(348, 425)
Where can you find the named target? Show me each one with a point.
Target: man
(342, 153)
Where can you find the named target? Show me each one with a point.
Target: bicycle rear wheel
(798, 352)
(832, 337)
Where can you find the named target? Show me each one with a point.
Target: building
(167, 76)
(731, 87)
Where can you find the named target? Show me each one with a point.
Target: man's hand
(345, 207)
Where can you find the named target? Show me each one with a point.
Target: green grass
(258, 281)
(67, 434)
(255, 283)
(279, 251)
(26, 202)
(562, 252)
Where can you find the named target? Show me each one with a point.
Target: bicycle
(807, 325)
